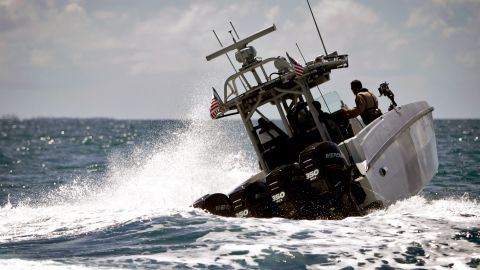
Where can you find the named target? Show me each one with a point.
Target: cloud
(272, 14)
(105, 15)
(40, 58)
(359, 30)
(470, 59)
(145, 46)
(345, 15)
(14, 15)
(431, 22)
(74, 7)
(453, 23)
(173, 38)
(447, 18)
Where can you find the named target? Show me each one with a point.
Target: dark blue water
(103, 193)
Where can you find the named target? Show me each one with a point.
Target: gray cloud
(146, 60)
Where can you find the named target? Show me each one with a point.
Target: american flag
(297, 68)
(215, 105)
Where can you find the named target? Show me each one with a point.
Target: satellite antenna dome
(281, 65)
(246, 55)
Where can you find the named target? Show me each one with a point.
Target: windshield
(333, 102)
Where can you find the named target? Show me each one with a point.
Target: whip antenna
(321, 94)
(300, 51)
(326, 104)
(233, 27)
(229, 60)
(318, 30)
(221, 45)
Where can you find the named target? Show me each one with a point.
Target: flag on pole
(215, 105)
(297, 68)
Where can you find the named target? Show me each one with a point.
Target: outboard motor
(217, 204)
(330, 178)
(251, 200)
(290, 192)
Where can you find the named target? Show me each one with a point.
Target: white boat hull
(397, 153)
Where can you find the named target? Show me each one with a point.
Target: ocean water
(116, 194)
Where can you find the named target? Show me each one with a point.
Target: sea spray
(198, 158)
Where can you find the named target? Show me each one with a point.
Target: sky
(146, 59)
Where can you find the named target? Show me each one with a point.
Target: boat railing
(260, 75)
(237, 81)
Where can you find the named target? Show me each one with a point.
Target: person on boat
(300, 119)
(330, 124)
(366, 104)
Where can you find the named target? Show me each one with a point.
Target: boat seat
(269, 133)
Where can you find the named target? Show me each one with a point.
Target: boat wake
(412, 232)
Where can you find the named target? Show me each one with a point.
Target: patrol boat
(315, 163)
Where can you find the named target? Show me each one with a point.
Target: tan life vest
(371, 111)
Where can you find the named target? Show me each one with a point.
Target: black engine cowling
(323, 165)
(251, 200)
(289, 191)
(330, 178)
(319, 186)
(217, 204)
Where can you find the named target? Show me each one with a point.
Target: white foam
(18, 264)
(153, 182)
(385, 235)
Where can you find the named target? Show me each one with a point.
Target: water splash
(8, 205)
(203, 157)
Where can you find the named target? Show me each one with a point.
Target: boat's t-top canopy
(275, 81)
